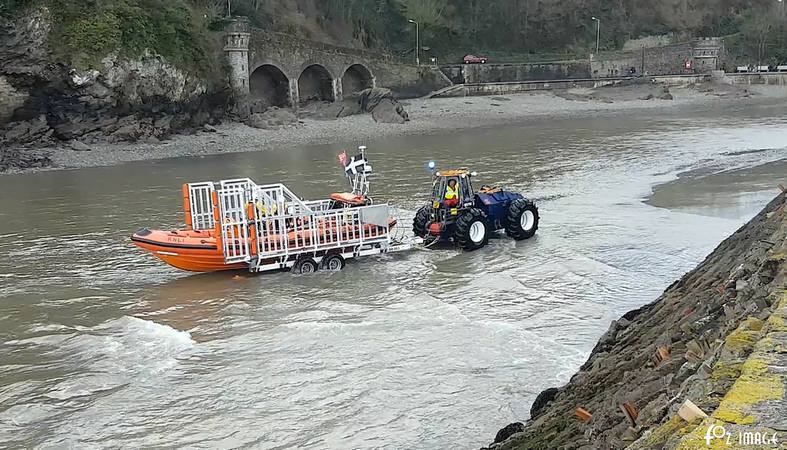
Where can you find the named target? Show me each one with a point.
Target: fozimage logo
(714, 432)
(741, 437)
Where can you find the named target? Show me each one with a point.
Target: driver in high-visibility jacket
(451, 197)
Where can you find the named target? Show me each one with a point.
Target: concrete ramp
(457, 90)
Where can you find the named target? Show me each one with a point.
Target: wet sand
(727, 193)
(428, 116)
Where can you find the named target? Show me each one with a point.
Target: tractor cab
(452, 191)
(459, 214)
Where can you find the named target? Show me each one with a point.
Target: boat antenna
(360, 181)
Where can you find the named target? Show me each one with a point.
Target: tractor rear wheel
(421, 220)
(522, 219)
(471, 229)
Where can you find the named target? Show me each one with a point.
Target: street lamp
(598, 31)
(417, 44)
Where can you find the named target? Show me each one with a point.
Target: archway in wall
(315, 84)
(355, 79)
(268, 86)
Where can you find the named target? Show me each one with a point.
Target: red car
(472, 59)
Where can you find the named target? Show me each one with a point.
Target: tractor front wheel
(421, 220)
(522, 219)
(472, 229)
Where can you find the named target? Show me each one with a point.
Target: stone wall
(292, 56)
(496, 73)
(771, 78)
(663, 60)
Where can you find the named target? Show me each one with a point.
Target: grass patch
(86, 31)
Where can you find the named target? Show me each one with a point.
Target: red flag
(343, 158)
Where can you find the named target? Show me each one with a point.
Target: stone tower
(236, 47)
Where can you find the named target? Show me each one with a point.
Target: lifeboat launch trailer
(238, 224)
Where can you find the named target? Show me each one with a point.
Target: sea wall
(713, 344)
(663, 60)
(497, 73)
(771, 78)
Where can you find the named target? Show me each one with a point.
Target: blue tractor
(466, 218)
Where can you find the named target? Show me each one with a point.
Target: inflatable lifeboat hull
(194, 251)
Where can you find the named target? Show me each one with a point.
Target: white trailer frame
(268, 227)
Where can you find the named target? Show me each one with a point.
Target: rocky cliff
(710, 352)
(44, 100)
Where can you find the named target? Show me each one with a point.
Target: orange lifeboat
(195, 251)
(258, 233)
(198, 251)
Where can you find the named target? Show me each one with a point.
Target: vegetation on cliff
(757, 30)
(85, 31)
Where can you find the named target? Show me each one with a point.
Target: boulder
(126, 133)
(272, 119)
(383, 106)
(10, 99)
(17, 131)
(79, 146)
(508, 430)
(389, 111)
(542, 400)
(24, 132)
(17, 159)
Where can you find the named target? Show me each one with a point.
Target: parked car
(742, 69)
(782, 68)
(473, 59)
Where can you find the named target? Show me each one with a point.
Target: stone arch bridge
(275, 69)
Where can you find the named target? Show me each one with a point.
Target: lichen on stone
(754, 386)
(744, 337)
(673, 428)
(724, 370)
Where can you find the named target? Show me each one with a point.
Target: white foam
(132, 345)
(146, 334)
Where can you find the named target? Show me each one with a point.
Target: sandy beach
(427, 116)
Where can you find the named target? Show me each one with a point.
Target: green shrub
(95, 35)
(9, 8)
(85, 31)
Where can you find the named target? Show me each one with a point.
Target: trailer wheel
(421, 220)
(305, 266)
(522, 219)
(472, 229)
(333, 263)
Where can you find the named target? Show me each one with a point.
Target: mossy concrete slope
(715, 342)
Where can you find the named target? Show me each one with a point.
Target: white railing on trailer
(201, 205)
(234, 226)
(269, 227)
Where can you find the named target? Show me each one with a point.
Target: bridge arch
(268, 86)
(315, 83)
(356, 78)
